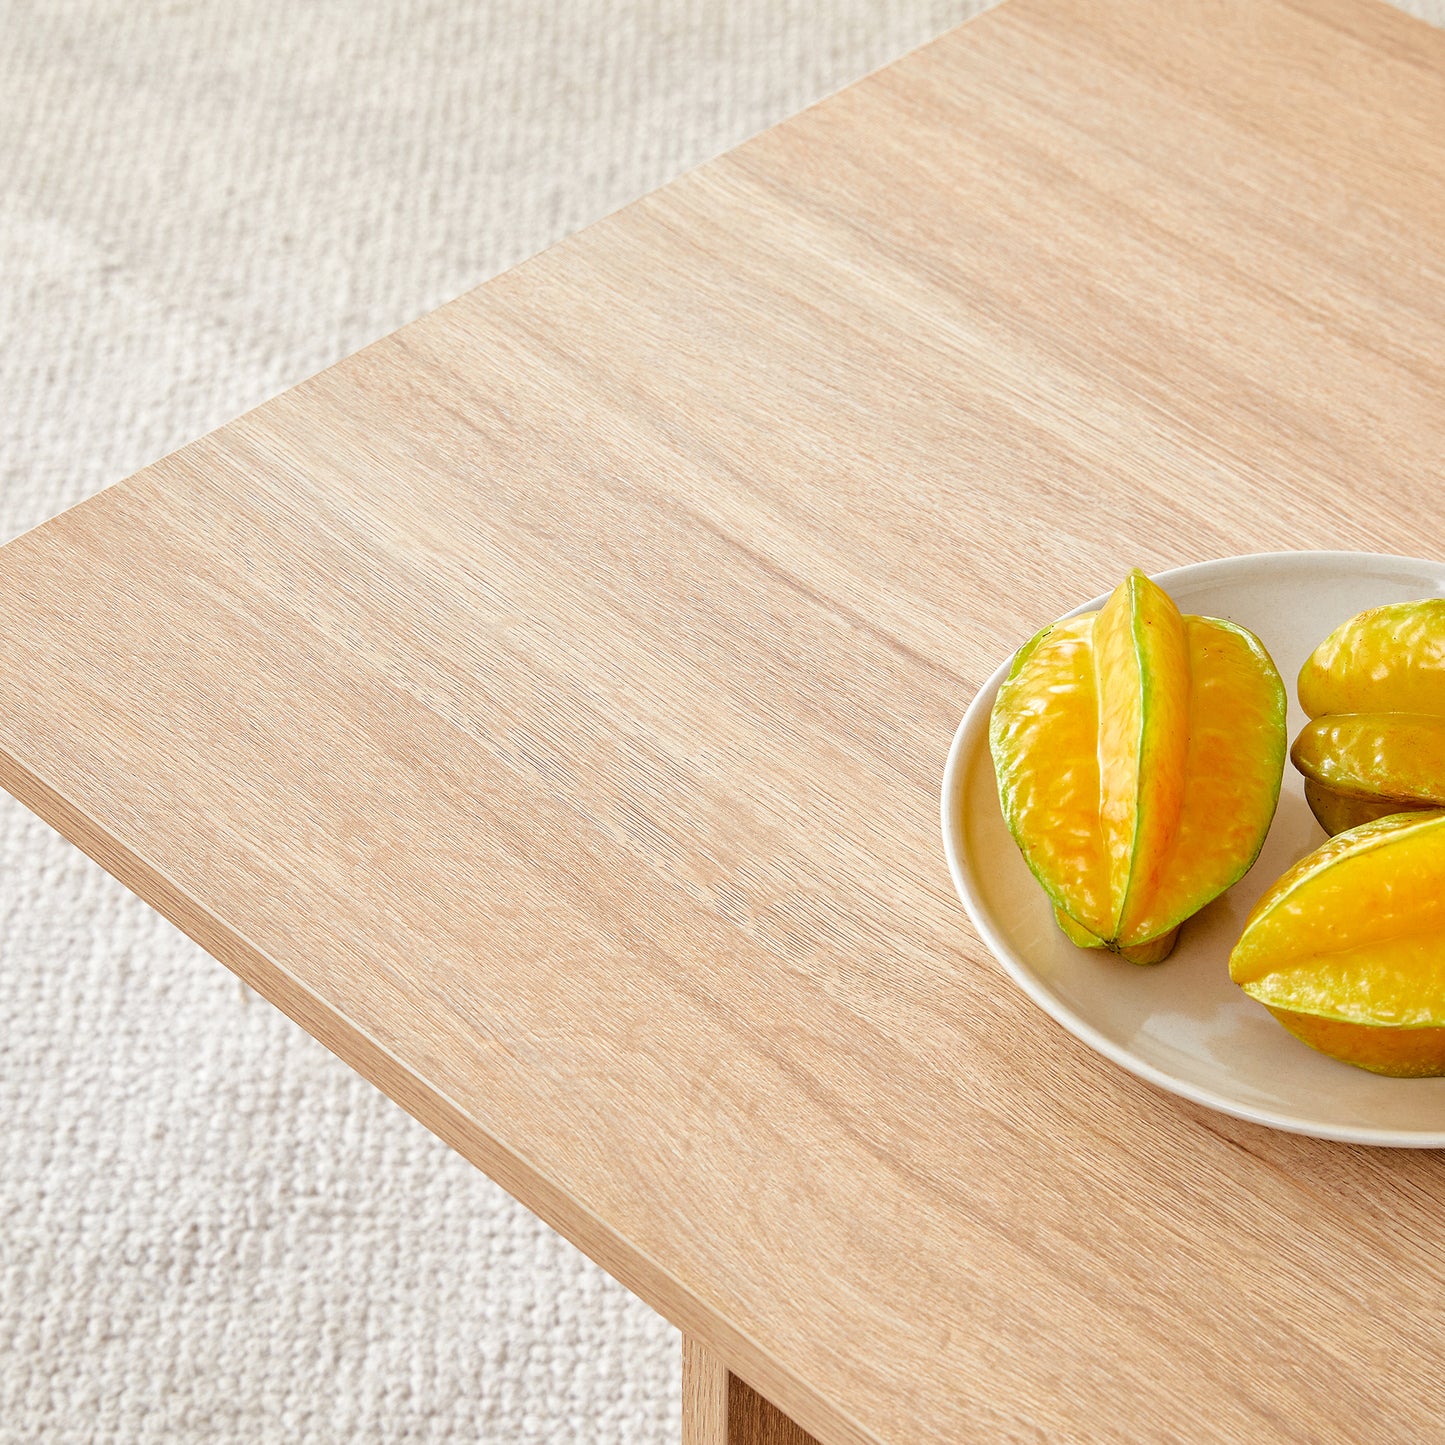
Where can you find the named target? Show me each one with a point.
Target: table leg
(719, 1409)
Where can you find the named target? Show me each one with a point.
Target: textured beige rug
(210, 1230)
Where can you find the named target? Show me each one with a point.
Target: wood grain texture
(704, 1395)
(752, 1420)
(720, 1409)
(546, 708)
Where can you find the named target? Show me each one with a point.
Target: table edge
(620, 1257)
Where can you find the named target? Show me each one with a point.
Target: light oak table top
(546, 708)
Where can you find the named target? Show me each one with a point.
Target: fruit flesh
(1138, 755)
(1233, 764)
(1389, 659)
(1374, 754)
(1155, 951)
(1141, 667)
(1337, 812)
(1375, 691)
(1401, 1053)
(1054, 709)
(1346, 948)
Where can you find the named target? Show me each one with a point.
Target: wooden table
(546, 708)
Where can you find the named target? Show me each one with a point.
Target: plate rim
(975, 721)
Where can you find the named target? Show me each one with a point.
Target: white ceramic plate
(1183, 1025)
